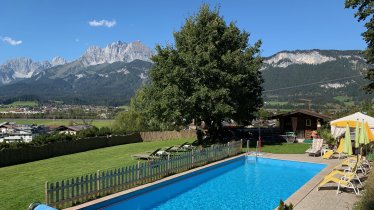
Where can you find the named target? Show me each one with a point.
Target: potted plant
(325, 134)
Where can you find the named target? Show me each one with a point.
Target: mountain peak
(286, 58)
(116, 51)
(58, 61)
(19, 68)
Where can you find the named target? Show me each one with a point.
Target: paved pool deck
(308, 198)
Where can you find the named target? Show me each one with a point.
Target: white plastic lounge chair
(318, 148)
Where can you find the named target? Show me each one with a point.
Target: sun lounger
(344, 181)
(148, 156)
(351, 169)
(318, 148)
(328, 154)
(313, 147)
(184, 147)
(353, 161)
(340, 148)
(179, 148)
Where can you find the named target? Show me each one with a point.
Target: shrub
(283, 206)
(367, 200)
(325, 134)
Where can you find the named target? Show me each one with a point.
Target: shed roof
(303, 111)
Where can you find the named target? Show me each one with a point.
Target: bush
(283, 206)
(44, 139)
(325, 134)
(12, 145)
(367, 200)
(50, 138)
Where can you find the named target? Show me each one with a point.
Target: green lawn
(345, 99)
(97, 123)
(285, 148)
(349, 103)
(24, 103)
(24, 183)
(342, 98)
(5, 109)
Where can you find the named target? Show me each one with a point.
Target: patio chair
(149, 155)
(344, 181)
(340, 148)
(351, 162)
(317, 149)
(313, 147)
(179, 148)
(350, 169)
(186, 146)
(329, 154)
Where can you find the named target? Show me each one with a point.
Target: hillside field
(97, 123)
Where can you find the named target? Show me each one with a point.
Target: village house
(71, 130)
(12, 132)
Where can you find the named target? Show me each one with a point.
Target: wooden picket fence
(78, 190)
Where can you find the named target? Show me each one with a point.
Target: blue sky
(43, 29)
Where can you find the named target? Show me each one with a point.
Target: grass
(5, 109)
(24, 183)
(24, 103)
(285, 148)
(97, 123)
(342, 98)
(345, 99)
(349, 103)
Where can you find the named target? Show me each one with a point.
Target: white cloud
(106, 23)
(11, 41)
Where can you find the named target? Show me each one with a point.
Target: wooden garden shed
(301, 122)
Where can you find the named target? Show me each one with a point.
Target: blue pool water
(239, 184)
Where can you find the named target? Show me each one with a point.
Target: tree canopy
(365, 10)
(210, 74)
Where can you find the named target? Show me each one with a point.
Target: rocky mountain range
(110, 76)
(21, 68)
(116, 51)
(323, 76)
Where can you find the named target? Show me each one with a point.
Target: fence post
(46, 192)
(228, 149)
(168, 169)
(241, 145)
(98, 181)
(192, 159)
(137, 172)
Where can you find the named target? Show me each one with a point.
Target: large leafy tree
(365, 10)
(210, 74)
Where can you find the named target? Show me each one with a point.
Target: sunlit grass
(24, 183)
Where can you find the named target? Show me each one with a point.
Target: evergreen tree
(365, 10)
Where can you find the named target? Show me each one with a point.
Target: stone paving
(308, 198)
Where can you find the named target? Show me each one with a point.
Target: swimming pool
(236, 184)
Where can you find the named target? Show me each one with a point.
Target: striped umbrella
(347, 142)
